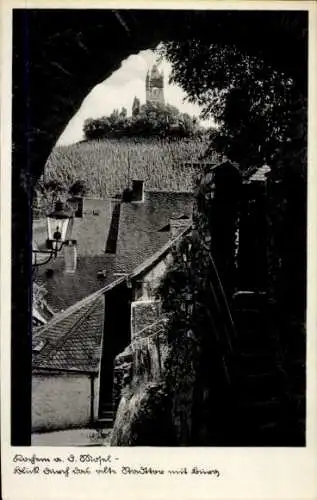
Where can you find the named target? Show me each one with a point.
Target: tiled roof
(67, 289)
(140, 229)
(157, 256)
(90, 231)
(140, 236)
(71, 341)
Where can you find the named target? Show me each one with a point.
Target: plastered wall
(61, 401)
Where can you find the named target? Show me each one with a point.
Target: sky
(119, 91)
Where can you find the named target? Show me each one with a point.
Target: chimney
(76, 202)
(70, 257)
(137, 190)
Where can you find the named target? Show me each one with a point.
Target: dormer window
(179, 222)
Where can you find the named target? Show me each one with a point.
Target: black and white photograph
(159, 227)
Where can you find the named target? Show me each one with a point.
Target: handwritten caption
(85, 464)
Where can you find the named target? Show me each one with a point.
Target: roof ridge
(59, 316)
(153, 258)
(55, 347)
(86, 300)
(167, 191)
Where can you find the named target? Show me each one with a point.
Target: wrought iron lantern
(59, 230)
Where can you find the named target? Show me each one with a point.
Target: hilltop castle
(154, 86)
(154, 90)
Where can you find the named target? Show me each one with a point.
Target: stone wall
(143, 314)
(144, 359)
(140, 397)
(144, 287)
(215, 215)
(188, 353)
(234, 373)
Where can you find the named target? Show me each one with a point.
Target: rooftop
(90, 231)
(139, 236)
(64, 290)
(140, 229)
(71, 341)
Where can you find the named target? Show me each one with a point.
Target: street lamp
(59, 229)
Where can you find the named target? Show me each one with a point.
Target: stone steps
(106, 416)
(104, 423)
(257, 383)
(268, 389)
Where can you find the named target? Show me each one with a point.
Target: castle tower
(154, 86)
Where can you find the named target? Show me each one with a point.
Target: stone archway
(57, 58)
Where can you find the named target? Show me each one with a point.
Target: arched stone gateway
(58, 56)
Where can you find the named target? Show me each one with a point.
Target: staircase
(106, 416)
(260, 385)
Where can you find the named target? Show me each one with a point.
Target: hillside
(107, 165)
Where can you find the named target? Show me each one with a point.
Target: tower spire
(154, 84)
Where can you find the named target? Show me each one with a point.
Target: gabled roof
(139, 237)
(151, 261)
(38, 317)
(71, 341)
(64, 290)
(140, 229)
(90, 231)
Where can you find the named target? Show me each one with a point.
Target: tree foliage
(79, 188)
(255, 105)
(146, 121)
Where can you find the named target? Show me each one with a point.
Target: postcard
(158, 242)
